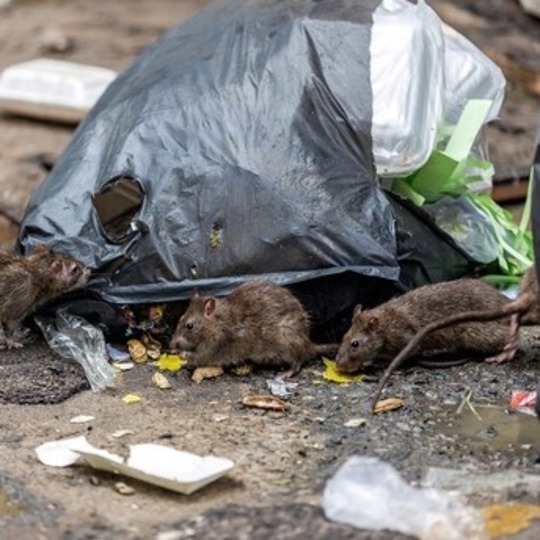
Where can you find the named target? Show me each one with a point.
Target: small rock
(95, 481)
(123, 488)
(55, 41)
(82, 418)
(355, 422)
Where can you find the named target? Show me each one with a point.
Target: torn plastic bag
(240, 144)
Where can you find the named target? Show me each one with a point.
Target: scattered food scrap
(137, 351)
(389, 404)
(208, 372)
(161, 381)
(264, 402)
(131, 398)
(333, 375)
(170, 362)
(509, 519)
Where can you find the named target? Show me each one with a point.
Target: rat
(524, 310)
(27, 282)
(377, 335)
(260, 322)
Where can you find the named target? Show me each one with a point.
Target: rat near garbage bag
(525, 309)
(259, 323)
(28, 282)
(209, 161)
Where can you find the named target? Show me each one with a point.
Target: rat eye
(189, 325)
(355, 344)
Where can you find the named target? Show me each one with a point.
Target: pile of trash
(332, 148)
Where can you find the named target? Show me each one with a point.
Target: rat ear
(357, 310)
(209, 307)
(56, 267)
(373, 324)
(195, 293)
(40, 250)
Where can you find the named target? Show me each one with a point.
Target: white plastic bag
(422, 75)
(370, 494)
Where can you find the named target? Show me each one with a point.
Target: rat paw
(11, 344)
(505, 356)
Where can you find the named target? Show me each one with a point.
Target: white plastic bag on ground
(370, 494)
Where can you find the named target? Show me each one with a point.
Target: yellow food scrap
(509, 519)
(333, 375)
(170, 362)
(131, 398)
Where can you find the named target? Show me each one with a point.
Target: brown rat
(525, 309)
(259, 322)
(28, 282)
(377, 335)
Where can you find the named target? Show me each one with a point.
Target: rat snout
(178, 344)
(343, 364)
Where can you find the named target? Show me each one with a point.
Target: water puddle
(7, 506)
(493, 426)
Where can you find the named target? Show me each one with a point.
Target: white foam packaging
(422, 74)
(52, 89)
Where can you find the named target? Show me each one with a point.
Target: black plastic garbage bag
(239, 145)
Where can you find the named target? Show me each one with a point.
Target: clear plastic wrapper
(370, 494)
(467, 225)
(74, 338)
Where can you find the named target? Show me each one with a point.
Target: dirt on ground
(282, 459)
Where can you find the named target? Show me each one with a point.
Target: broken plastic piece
(278, 386)
(523, 401)
(370, 494)
(74, 338)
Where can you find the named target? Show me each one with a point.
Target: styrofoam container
(52, 89)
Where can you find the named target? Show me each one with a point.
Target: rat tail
(518, 306)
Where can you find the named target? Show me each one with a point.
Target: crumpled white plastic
(422, 74)
(370, 494)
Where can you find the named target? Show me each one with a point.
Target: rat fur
(259, 323)
(28, 282)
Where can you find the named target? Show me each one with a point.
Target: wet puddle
(7, 506)
(493, 426)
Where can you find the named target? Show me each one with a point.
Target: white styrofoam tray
(52, 89)
(156, 464)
